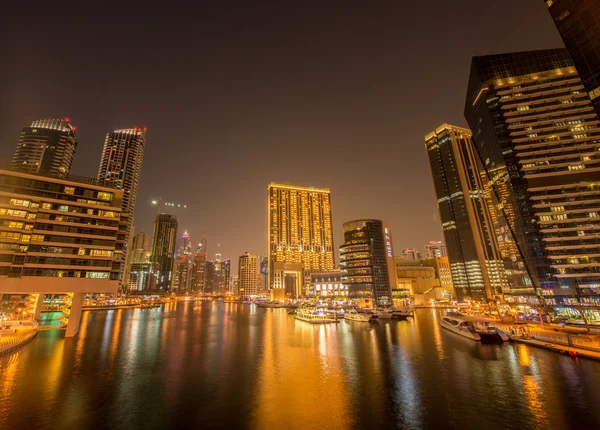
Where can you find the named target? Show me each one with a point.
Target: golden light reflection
(535, 404)
(294, 375)
(524, 358)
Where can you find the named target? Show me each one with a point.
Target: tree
(579, 309)
(7, 307)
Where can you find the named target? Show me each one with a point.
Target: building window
(70, 190)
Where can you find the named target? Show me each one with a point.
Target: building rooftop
(297, 187)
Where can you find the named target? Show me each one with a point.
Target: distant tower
(163, 249)
(139, 247)
(248, 266)
(47, 147)
(186, 248)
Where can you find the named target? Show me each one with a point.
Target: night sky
(236, 94)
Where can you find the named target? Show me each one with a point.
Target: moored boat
(314, 316)
(352, 315)
(460, 327)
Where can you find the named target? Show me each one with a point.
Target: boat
(385, 314)
(356, 316)
(314, 316)
(458, 326)
(475, 328)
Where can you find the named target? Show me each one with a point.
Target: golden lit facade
(300, 237)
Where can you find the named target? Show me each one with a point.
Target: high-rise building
(234, 285)
(140, 276)
(181, 273)
(54, 241)
(264, 274)
(186, 246)
(434, 249)
(223, 272)
(411, 254)
(248, 270)
(578, 22)
(198, 272)
(121, 163)
(300, 237)
(211, 280)
(367, 262)
(46, 147)
(537, 136)
(139, 247)
(163, 249)
(475, 261)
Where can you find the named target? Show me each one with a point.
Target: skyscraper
(139, 247)
(47, 147)
(435, 249)
(224, 275)
(121, 163)
(367, 262)
(248, 275)
(181, 273)
(475, 261)
(163, 249)
(198, 272)
(300, 237)
(578, 22)
(186, 247)
(537, 135)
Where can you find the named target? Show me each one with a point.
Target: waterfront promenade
(19, 333)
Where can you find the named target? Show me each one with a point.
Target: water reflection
(224, 365)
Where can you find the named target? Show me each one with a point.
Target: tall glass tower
(163, 249)
(475, 261)
(47, 147)
(538, 138)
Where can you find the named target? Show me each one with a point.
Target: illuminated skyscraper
(198, 272)
(475, 261)
(47, 147)
(121, 163)
(578, 22)
(248, 275)
(181, 273)
(186, 247)
(300, 237)
(538, 136)
(163, 249)
(367, 262)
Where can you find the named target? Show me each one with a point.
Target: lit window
(105, 196)
(70, 190)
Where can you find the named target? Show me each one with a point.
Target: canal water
(219, 365)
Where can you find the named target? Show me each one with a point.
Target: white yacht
(356, 316)
(475, 328)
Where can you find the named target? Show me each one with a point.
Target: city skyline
(221, 152)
